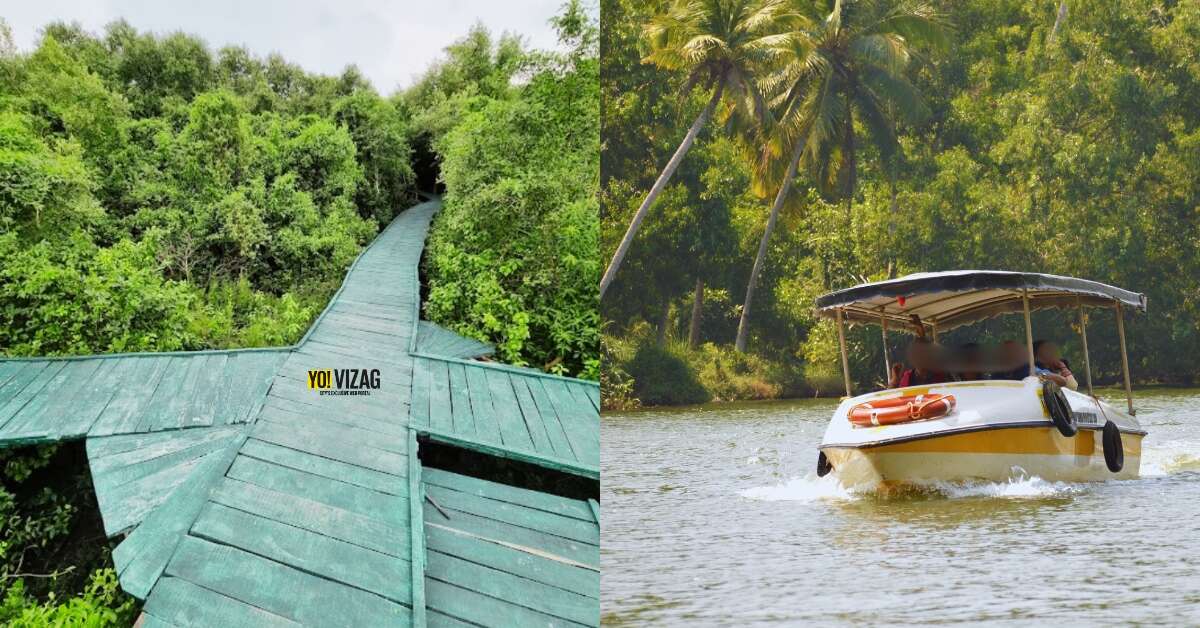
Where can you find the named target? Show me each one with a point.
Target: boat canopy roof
(954, 298)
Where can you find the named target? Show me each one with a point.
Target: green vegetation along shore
(158, 195)
(1057, 137)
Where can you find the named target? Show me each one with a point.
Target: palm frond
(885, 50)
(901, 96)
(920, 25)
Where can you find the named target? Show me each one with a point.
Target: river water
(714, 515)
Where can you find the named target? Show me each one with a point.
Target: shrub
(728, 374)
(663, 378)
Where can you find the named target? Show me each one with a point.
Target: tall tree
(844, 60)
(721, 44)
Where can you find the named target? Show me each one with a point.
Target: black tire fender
(1059, 408)
(823, 466)
(1114, 450)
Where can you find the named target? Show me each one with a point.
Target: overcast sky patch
(391, 42)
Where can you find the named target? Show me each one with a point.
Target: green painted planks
(579, 424)
(442, 620)
(77, 412)
(179, 602)
(510, 494)
(142, 556)
(366, 502)
(24, 373)
(487, 429)
(554, 428)
(330, 445)
(499, 531)
(517, 515)
(123, 474)
(211, 393)
(43, 416)
(279, 589)
(124, 506)
(105, 452)
(8, 368)
(29, 391)
(343, 427)
(440, 405)
(513, 590)
(282, 410)
(325, 467)
(314, 516)
(513, 432)
(254, 373)
(534, 422)
(484, 610)
(329, 558)
(569, 577)
(436, 340)
(347, 352)
(460, 401)
(122, 413)
(421, 383)
(416, 522)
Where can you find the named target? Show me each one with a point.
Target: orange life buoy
(901, 410)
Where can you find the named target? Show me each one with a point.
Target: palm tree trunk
(1058, 21)
(663, 178)
(784, 188)
(665, 322)
(697, 310)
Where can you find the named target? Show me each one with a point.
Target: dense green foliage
(55, 567)
(1073, 153)
(513, 256)
(157, 196)
(661, 377)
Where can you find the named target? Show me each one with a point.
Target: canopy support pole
(1087, 360)
(842, 344)
(933, 330)
(1028, 330)
(887, 361)
(1124, 358)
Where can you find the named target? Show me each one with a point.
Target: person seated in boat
(1050, 365)
(923, 356)
(1012, 360)
(968, 363)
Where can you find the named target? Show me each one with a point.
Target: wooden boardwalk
(245, 497)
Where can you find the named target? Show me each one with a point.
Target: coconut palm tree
(845, 61)
(720, 44)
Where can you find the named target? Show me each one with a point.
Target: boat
(983, 429)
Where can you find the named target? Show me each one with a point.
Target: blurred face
(1048, 353)
(920, 354)
(1012, 354)
(972, 357)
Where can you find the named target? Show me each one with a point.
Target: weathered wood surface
(501, 410)
(434, 339)
(506, 556)
(248, 498)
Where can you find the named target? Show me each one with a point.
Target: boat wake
(1016, 488)
(1159, 459)
(811, 488)
(800, 489)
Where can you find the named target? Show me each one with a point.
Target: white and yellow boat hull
(999, 430)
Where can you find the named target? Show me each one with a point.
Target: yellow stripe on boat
(1013, 440)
